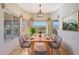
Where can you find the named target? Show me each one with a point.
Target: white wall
(65, 10)
(12, 45)
(68, 9)
(71, 38)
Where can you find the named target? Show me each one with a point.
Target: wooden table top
(40, 39)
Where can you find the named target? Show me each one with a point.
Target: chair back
(55, 31)
(51, 36)
(21, 41)
(26, 37)
(58, 40)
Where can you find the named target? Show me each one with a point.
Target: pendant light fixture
(39, 13)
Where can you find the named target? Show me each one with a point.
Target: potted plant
(40, 34)
(31, 30)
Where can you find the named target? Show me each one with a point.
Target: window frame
(52, 24)
(42, 21)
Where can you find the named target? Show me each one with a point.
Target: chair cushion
(25, 38)
(26, 45)
(53, 45)
(57, 42)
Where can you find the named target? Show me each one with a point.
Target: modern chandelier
(39, 13)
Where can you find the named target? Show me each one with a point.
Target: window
(11, 26)
(24, 24)
(40, 26)
(55, 24)
(16, 27)
(39, 23)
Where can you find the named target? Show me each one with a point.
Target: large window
(11, 26)
(40, 26)
(24, 24)
(39, 23)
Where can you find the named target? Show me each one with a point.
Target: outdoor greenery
(70, 22)
(31, 30)
(55, 24)
(69, 26)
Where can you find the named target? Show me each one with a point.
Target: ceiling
(34, 7)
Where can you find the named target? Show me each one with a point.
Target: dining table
(38, 39)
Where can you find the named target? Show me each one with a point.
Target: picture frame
(70, 22)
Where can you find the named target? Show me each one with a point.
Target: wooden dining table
(37, 39)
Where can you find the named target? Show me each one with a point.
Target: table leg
(32, 48)
(47, 48)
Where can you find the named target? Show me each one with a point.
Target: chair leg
(58, 52)
(28, 51)
(50, 51)
(54, 51)
(21, 50)
(31, 50)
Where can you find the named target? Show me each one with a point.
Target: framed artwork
(70, 22)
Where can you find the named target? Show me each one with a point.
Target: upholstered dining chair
(55, 45)
(24, 43)
(55, 31)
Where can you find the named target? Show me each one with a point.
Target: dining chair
(55, 31)
(55, 45)
(24, 43)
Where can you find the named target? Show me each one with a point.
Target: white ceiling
(34, 7)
